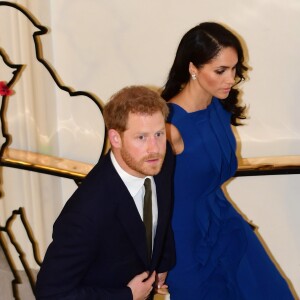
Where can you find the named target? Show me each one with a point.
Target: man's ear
(114, 138)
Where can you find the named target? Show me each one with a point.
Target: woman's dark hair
(200, 45)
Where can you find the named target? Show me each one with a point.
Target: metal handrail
(76, 170)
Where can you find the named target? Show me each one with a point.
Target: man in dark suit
(99, 248)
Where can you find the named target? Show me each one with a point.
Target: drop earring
(193, 77)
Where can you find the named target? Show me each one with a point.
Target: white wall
(101, 46)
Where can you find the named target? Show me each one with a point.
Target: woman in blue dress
(219, 256)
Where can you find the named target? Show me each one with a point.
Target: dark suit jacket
(99, 241)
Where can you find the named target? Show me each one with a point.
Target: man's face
(143, 144)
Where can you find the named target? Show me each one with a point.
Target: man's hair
(132, 99)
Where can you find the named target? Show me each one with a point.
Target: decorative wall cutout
(88, 104)
(7, 229)
(15, 72)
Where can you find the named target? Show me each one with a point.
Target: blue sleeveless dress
(218, 255)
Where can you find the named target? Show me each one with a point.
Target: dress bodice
(209, 147)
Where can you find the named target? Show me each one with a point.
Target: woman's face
(217, 77)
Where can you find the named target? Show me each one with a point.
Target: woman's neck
(191, 100)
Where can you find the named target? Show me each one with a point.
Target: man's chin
(152, 171)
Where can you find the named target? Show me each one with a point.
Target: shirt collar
(133, 183)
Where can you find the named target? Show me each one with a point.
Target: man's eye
(141, 137)
(159, 134)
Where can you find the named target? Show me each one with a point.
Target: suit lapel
(128, 214)
(130, 219)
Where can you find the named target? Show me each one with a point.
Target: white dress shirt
(135, 186)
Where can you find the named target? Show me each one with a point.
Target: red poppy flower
(4, 90)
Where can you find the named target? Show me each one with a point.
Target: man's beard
(141, 166)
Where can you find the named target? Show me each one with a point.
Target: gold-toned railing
(268, 165)
(46, 164)
(78, 170)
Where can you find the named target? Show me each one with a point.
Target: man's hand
(160, 286)
(140, 286)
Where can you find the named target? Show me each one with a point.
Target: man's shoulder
(97, 180)
(95, 190)
(102, 168)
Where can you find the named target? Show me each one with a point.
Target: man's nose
(153, 145)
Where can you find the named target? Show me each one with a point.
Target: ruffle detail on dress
(223, 240)
(221, 248)
(219, 287)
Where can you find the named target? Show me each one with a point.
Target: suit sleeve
(67, 259)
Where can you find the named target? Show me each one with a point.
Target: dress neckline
(193, 112)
